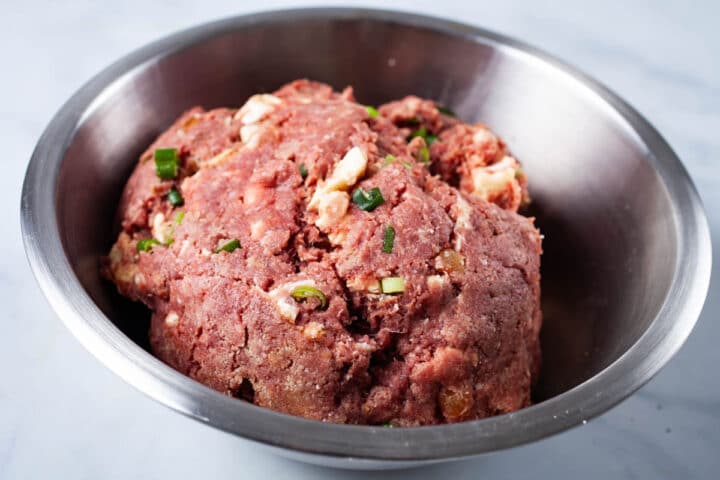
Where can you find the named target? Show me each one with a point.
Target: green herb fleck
(303, 171)
(368, 200)
(175, 199)
(423, 133)
(407, 164)
(179, 217)
(446, 111)
(230, 246)
(303, 292)
(389, 158)
(420, 132)
(423, 155)
(389, 239)
(372, 111)
(146, 244)
(166, 163)
(392, 285)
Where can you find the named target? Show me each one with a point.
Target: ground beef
(277, 177)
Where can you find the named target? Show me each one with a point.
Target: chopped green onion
(175, 199)
(303, 171)
(389, 239)
(424, 134)
(179, 217)
(446, 111)
(389, 158)
(166, 163)
(388, 425)
(303, 292)
(169, 242)
(407, 164)
(230, 246)
(146, 244)
(420, 132)
(372, 111)
(423, 155)
(368, 200)
(392, 285)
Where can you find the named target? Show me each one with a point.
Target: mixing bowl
(627, 251)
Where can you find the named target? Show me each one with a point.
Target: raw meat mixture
(318, 257)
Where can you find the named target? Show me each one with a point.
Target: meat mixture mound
(326, 259)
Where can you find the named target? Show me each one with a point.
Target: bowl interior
(596, 196)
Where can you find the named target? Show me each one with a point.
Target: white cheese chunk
(332, 208)
(494, 179)
(161, 228)
(257, 107)
(172, 319)
(345, 175)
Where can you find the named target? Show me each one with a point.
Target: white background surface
(64, 415)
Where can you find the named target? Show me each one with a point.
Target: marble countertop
(64, 415)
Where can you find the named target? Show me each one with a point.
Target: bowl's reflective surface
(627, 255)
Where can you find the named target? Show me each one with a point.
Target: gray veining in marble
(64, 415)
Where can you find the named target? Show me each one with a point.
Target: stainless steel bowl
(627, 250)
